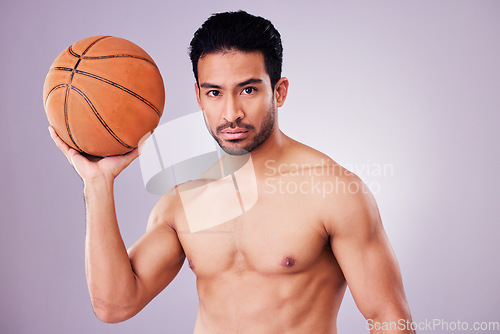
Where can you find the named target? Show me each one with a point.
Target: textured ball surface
(103, 94)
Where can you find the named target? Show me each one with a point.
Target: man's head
(237, 64)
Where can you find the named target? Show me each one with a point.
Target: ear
(197, 91)
(280, 91)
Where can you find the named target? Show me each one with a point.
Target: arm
(121, 283)
(366, 258)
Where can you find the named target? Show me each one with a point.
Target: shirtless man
(283, 264)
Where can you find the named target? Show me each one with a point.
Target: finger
(59, 142)
(65, 148)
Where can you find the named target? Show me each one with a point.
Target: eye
(249, 90)
(213, 93)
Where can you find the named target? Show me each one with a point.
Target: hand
(89, 167)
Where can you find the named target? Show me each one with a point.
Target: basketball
(103, 94)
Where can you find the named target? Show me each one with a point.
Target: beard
(261, 136)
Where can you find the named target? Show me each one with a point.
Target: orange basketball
(103, 94)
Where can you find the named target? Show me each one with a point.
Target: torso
(270, 269)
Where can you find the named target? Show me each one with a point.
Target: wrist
(100, 183)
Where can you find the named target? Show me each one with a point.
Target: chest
(279, 234)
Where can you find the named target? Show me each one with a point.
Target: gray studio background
(411, 86)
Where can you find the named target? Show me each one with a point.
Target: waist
(251, 302)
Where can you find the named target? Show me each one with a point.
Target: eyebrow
(249, 81)
(208, 85)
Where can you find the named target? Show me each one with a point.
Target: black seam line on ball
(73, 53)
(119, 56)
(60, 68)
(109, 82)
(114, 84)
(66, 120)
(80, 57)
(76, 55)
(99, 117)
(53, 89)
(93, 43)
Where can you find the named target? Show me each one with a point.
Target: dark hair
(238, 31)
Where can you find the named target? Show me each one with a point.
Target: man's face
(236, 97)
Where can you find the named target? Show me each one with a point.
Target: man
(282, 264)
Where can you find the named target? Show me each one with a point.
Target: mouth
(234, 133)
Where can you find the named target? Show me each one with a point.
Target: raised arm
(366, 258)
(121, 283)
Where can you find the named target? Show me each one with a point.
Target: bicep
(371, 272)
(156, 257)
(366, 257)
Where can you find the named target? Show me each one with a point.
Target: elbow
(389, 308)
(389, 312)
(108, 317)
(389, 316)
(393, 320)
(111, 313)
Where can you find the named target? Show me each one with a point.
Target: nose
(232, 109)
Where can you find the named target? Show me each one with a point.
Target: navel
(288, 262)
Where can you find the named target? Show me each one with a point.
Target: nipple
(288, 262)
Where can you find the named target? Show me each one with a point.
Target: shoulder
(166, 209)
(344, 202)
(349, 207)
(305, 160)
(169, 210)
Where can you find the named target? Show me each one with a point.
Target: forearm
(110, 277)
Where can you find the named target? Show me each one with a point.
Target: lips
(234, 133)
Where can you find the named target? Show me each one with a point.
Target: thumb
(129, 157)
(143, 141)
